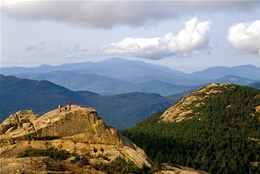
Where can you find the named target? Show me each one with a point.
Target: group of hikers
(67, 107)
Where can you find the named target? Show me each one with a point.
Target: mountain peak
(194, 103)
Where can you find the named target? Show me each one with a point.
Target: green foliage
(84, 161)
(55, 156)
(225, 140)
(76, 159)
(120, 165)
(51, 152)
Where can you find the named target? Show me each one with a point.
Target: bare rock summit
(77, 130)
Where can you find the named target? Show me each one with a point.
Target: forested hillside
(221, 136)
(40, 96)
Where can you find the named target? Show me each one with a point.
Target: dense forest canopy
(223, 138)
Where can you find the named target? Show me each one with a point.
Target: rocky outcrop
(21, 119)
(78, 124)
(77, 129)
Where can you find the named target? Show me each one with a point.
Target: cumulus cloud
(107, 14)
(245, 37)
(193, 39)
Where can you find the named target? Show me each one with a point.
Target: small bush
(60, 154)
(84, 161)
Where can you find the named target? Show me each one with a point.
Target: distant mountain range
(106, 85)
(246, 71)
(121, 110)
(117, 76)
(138, 71)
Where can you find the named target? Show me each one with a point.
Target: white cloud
(245, 37)
(107, 14)
(193, 39)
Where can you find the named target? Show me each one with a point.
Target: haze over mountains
(117, 76)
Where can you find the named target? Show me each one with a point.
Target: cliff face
(78, 128)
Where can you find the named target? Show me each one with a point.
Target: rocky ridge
(78, 129)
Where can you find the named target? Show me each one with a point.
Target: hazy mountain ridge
(117, 76)
(246, 71)
(122, 110)
(127, 70)
(255, 85)
(106, 85)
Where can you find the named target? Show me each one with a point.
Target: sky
(184, 35)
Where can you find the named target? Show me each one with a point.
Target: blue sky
(183, 35)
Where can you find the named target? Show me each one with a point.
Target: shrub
(84, 161)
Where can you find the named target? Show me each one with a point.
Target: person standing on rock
(69, 104)
(59, 108)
